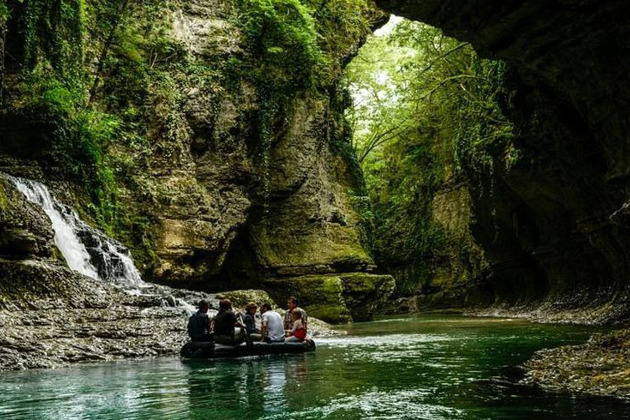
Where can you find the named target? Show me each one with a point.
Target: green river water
(429, 367)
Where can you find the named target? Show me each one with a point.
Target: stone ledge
(335, 298)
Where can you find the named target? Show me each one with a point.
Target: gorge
(211, 138)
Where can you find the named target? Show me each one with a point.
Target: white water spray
(86, 250)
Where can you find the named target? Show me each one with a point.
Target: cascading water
(85, 249)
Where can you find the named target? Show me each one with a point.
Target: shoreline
(599, 367)
(127, 327)
(110, 325)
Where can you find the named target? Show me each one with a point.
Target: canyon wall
(555, 227)
(206, 135)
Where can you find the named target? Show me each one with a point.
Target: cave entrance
(428, 124)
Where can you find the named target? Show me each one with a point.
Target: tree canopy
(425, 109)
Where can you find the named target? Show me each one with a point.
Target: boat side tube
(212, 350)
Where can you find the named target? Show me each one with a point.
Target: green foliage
(110, 79)
(426, 110)
(54, 29)
(295, 47)
(281, 35)
(4, 12)
(54, 92)
(80, 135)
(301, 44)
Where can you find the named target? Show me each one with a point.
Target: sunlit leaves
(426, 107)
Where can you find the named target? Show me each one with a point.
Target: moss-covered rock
(240, 298)
(25, 230)
(212, 130)
(320, 296)
(335, 298)
(3, 197)
(365, 293)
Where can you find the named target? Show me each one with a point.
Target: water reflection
(415, 368)
(229, 387)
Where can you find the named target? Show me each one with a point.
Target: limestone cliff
(555, 230)
(206, 135)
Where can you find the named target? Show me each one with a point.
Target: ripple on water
(387, 340)
(395, 348)
(412, 368)
(403, 404)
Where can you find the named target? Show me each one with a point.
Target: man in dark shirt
(199, 324)
(225, 323)
(250, 322)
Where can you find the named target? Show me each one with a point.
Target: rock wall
(457, 280)
(215, 186)
(555, 229)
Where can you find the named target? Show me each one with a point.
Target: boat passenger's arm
(263, 328)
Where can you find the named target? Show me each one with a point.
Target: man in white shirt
(272, 329)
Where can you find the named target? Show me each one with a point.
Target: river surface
(429, 367)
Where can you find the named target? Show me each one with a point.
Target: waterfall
(85, 249)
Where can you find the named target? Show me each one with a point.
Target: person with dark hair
(225, 325)
(272, 330)
(250, 322)
(199, 324)
(292, 305)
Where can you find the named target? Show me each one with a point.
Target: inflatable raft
(212, 350)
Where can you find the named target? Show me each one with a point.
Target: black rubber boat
(212, 350)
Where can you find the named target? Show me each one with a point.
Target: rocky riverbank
(101, 323)
(600, 367)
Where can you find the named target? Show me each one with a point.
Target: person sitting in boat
(298, 332)
(272, 329)
(250, 322)
(292, 305)
(199, 324)
(227, 329)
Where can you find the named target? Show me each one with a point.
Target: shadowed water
(415, 368)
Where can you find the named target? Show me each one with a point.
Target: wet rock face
(25, 230)
(212, 207)
(556, 229)
(85, 321)
(336, 298)
(234, 214)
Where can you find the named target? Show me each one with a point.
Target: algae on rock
(187, 131)
(335, 298)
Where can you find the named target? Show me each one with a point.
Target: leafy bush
(281, 35)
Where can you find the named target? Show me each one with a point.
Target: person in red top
(298, 332)
(292, 305)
